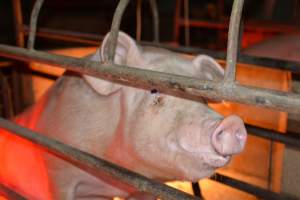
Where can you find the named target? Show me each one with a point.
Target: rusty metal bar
(233, 41)
(18, 21)
(93, 39)
(9, 194)
(251, 189)
(69, 36)
(186, 13)
(155, 16)
(97, 166)
(114, 31)
(185, 87)
(33, 23)
(138, 20)
(250, 25)
(177, 20)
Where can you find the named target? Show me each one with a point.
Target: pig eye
(154, 91)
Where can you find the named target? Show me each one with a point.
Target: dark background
(94, 16)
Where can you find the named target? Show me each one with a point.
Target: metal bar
(259, 26)
(181, 86)
(98, 167)
(138, 20)
(9, 194)
(6, 97)
(155, 16)
(186, 13)
(114, 31)
(291, 139)
(233, 41)
(254, 190)
(18, 21)
(177, 20)
(245, 59)
(197, 189)
(16, 76)
(70, 36)
(33, 23)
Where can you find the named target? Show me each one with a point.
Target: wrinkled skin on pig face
(172, 138)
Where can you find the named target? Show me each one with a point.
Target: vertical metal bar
(233, 40)
(18, 21)
(33, 23)
(197, 189)
(20, 38)
(177, 21)
(138, 20)
(6, 96)
(186, 7)
(114, 31)
(270, 167)
(155, 16)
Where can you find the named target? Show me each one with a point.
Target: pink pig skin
(157, 135)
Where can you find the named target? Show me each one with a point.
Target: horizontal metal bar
(291, 139)
(71, 36)
(242, 58)
(5, 64)
(257, 26)
(97, 166)
(9, 194)
(181, 86)
(93, 39)
(252, 189)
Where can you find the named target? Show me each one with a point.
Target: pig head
(157, 135)
(171, 138)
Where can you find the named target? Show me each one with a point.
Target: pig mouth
(218, 160)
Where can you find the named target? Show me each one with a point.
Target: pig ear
(207, 68)
(127, 52)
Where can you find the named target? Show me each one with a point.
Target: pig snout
(230, 136)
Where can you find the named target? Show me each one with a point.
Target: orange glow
(3, 198)
(22, 165)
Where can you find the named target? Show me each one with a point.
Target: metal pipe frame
(181, 86)
(97, 166)
(251, 189)
(155, 16)
(33, 23)
(93, 39)
(175, 85)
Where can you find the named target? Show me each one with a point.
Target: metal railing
(181, 86)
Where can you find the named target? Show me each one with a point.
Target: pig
(157, 135)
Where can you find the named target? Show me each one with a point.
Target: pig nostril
(240, 135)
(219, 135)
